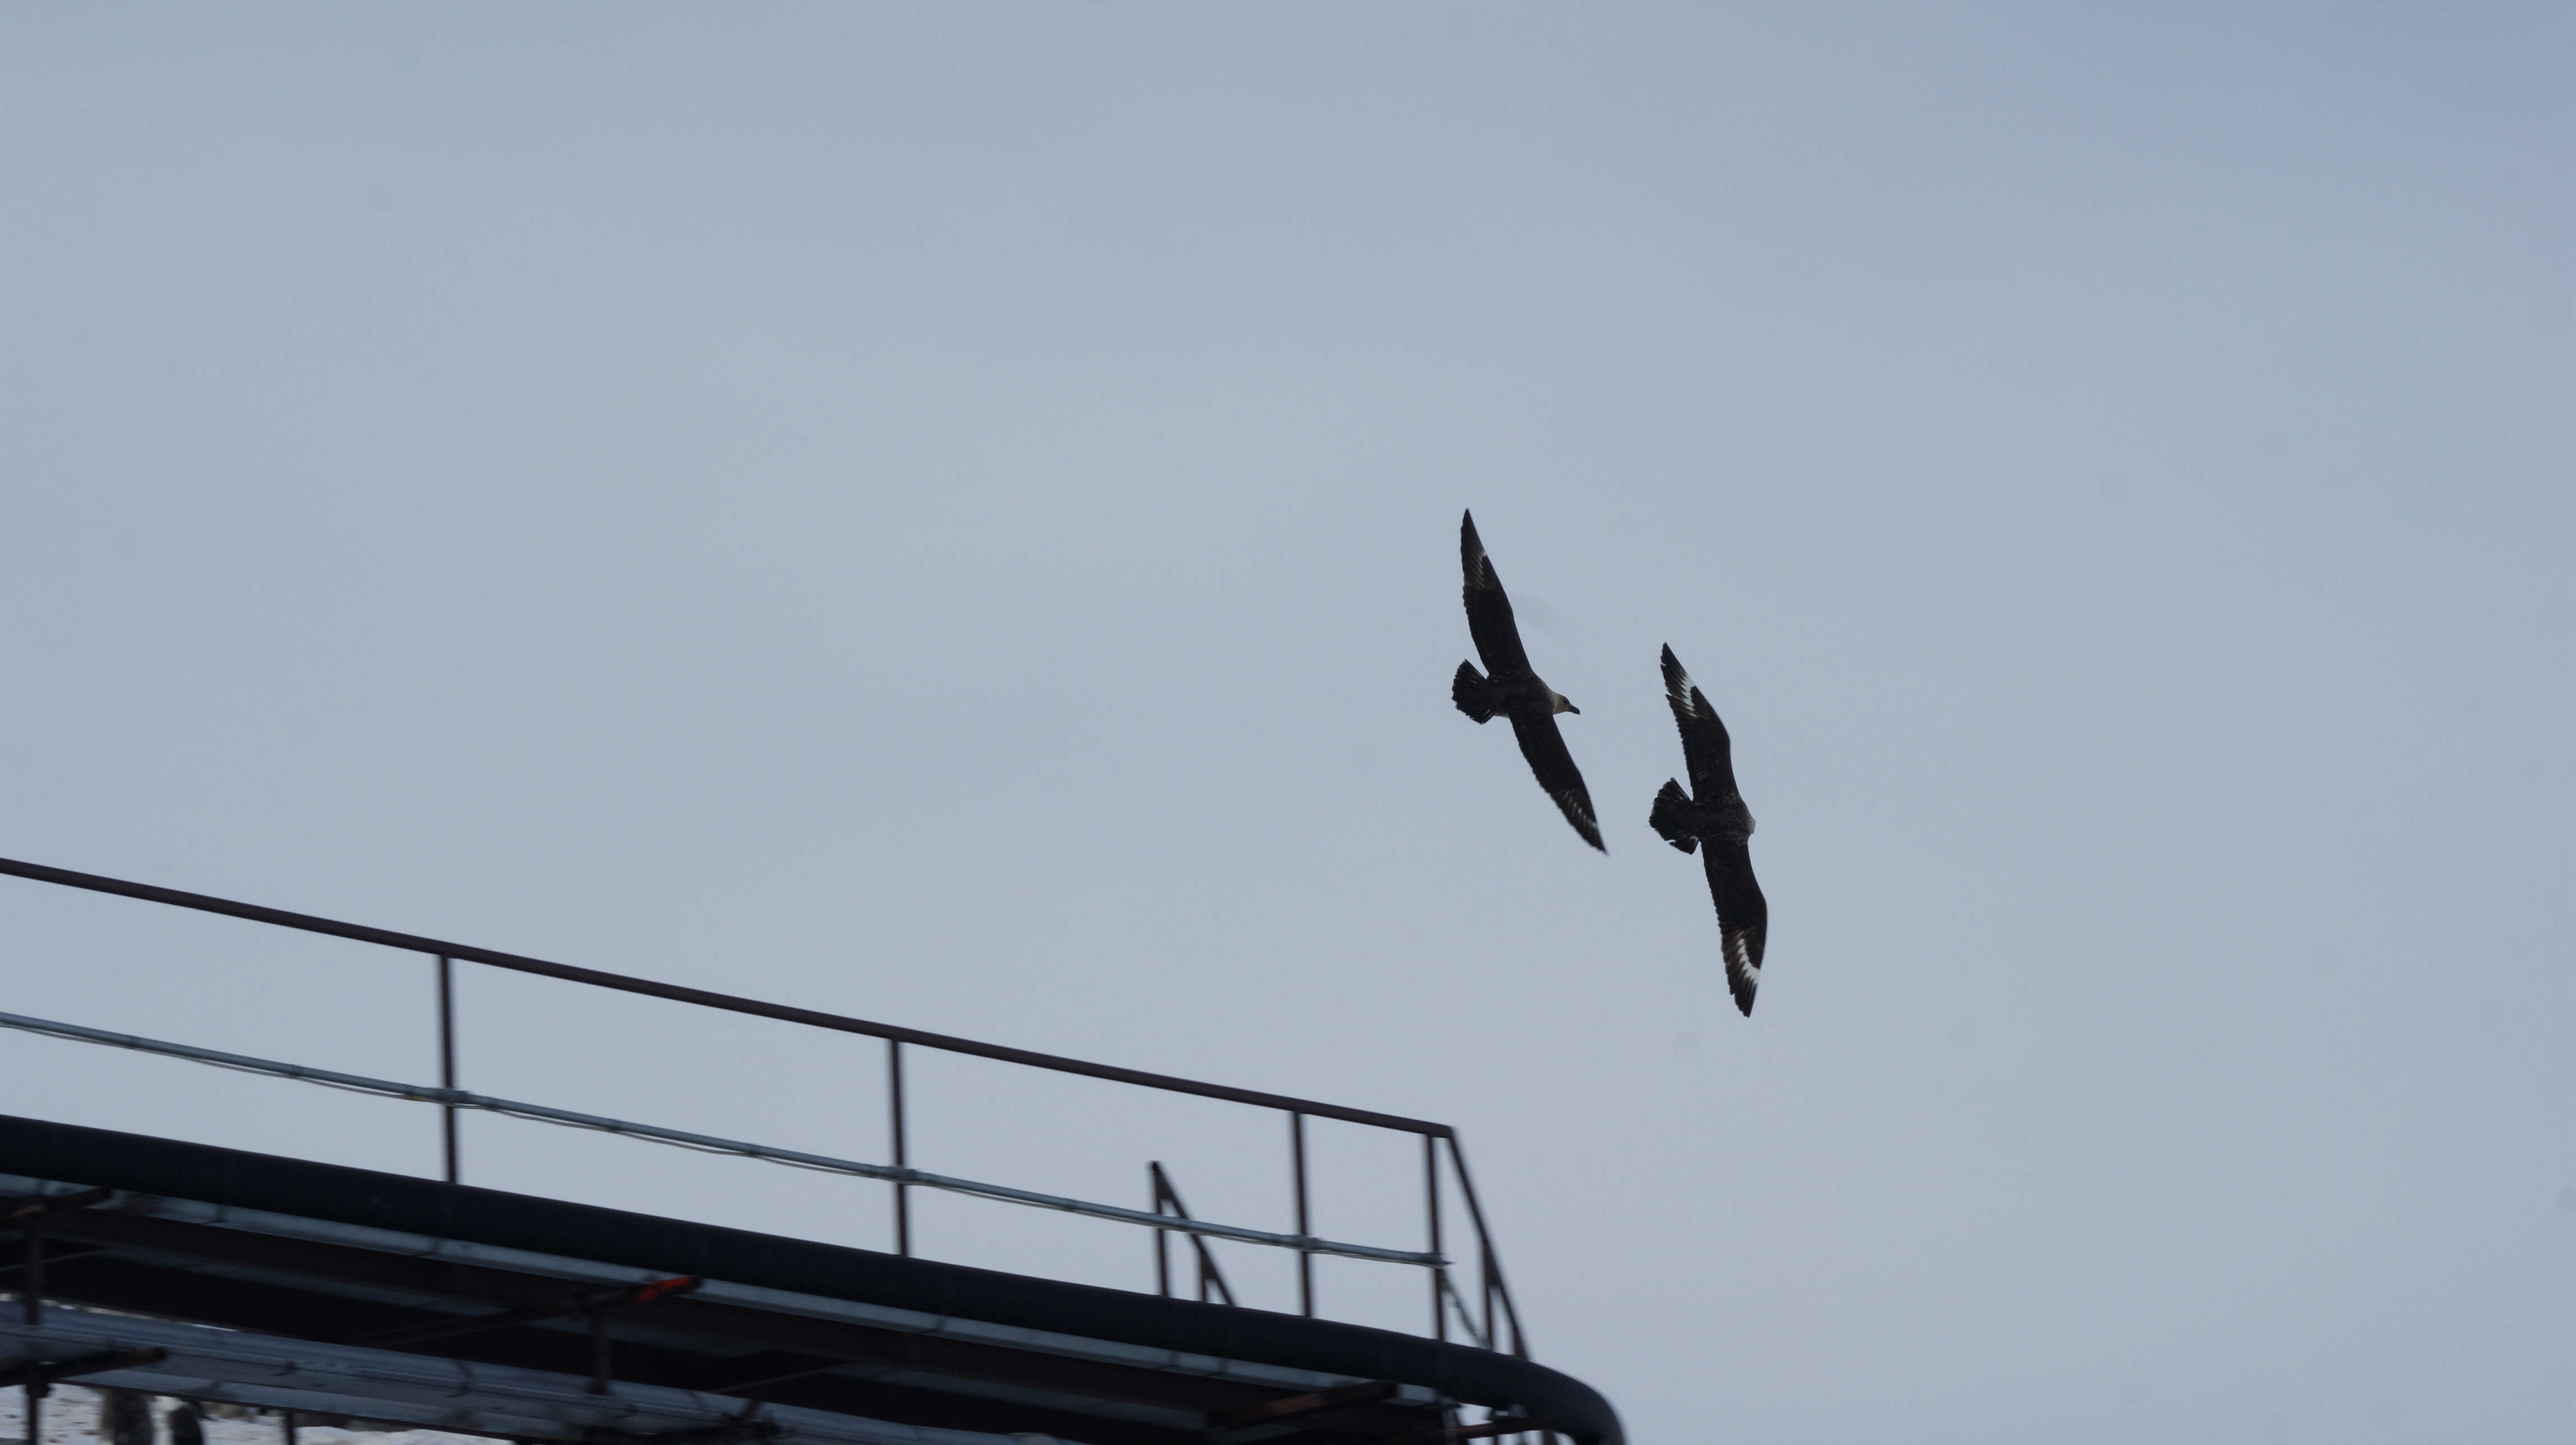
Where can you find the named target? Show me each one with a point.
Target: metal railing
(1491, 1322)
(1167, 1200)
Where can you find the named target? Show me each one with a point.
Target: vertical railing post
(894, 1107)
(1162, 1237)
(447, 1060)
(1431, 1212)
(599, 1352)
(1485, 1286)
(31, 1280)
(31, 1277)
(1305, 1256)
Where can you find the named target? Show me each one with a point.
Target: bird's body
(1725, 821)
(1495, 694)
(1711, 819)
(1508, 687)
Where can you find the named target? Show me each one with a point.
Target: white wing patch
(1742, 972)
(1678, 690)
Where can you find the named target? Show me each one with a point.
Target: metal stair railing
(1167, 1200)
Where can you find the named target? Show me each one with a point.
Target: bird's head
(1564, 704)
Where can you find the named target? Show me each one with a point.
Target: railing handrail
(1491, 1285)
(707, 998)
(710, 1143)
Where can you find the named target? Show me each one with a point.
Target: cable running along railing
(1491, 1322)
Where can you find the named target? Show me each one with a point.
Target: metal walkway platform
(186, 1269)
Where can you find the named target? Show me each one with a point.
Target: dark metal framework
(28, 1216)
(1167, 1200)
(187, 1269)
(1491, 1321)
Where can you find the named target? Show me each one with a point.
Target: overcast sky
(949, 514)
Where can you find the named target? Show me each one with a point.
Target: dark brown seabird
(1510, 688)
(1712, 816)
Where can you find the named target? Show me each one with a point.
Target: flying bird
(1508, 687)
(1712, 817)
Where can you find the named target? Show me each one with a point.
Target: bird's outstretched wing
(1742, 918)
(1704, 743)
(1554, 767)
(1489, 612)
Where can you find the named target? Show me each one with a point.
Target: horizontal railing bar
(423, 1093)
(679, 993)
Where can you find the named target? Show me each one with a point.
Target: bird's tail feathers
(1666, 819)
(1474, 696)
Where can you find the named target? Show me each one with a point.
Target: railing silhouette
(1492, 1322)
(1167, 1200)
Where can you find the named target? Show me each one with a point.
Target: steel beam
(482, 1399)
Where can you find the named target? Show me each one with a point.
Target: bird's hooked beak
(1566, 704)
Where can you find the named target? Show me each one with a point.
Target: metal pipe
(1272, 1378)
(894, 1108)
(97, 1362)
(447, 1060)
(598, 978)
(1305, 1260)
(710, 1143)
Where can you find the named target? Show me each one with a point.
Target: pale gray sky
(948, 514)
